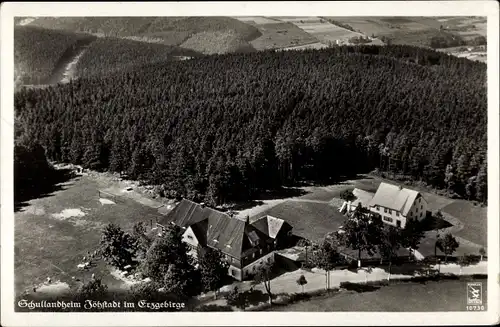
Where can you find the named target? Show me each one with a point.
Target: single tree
(411, 235)
(326, 256)
(347, 195)
(301, 281)
(168, 263)
(482, 253)
(117, 247)
(264, 275)
(464, 261)
(183, 281)
(142, 240)
(389, 245)
(448, 244)
(213, 270)
(361, 232)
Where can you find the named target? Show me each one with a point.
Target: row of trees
(228, 127)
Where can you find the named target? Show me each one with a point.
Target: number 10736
(475, 308)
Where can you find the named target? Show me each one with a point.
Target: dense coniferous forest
(110, 54)
(37, 51)
(228, 127)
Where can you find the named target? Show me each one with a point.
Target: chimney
(247, 219)
(202, 204)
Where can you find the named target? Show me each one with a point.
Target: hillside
(168, 30)
(108, 54)
(227, 127)
(432, 32)
(38, 52)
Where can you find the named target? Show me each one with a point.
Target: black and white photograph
(285, 158)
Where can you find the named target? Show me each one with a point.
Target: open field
(321, 29)
(449, 295)
(54, 233)
(318, 207)
(475, 218)
(415, 30)
(311, 220)
(278, 35)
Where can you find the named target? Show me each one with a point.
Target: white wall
(189, 238)
(391, 215)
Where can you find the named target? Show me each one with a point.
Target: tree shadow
(358, 287)
(45, 186)
(433, 222)
(277, 194)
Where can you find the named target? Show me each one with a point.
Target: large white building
(397, 205)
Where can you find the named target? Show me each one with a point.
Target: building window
(397, 213)
(232, 272)
(190, 237)
(390, 211)
(422, 215)
(253, 255)
(421, 207)
(377, 207)
(398, 223)
(387, 219)
(385, 210)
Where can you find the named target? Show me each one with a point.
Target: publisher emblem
(474, 293)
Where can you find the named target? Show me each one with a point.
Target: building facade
(397, 205)
(245, 246)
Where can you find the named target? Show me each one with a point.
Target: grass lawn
(474, 218)
(52, 234)
(448, 295)
(309, 219)
(281, 35)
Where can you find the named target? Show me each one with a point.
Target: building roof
(215, 229)
(233, 236)
(185, 214)
(362, 197)
(270, 225)
(394, 197)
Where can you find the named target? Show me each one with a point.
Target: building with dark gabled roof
(244, 245)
